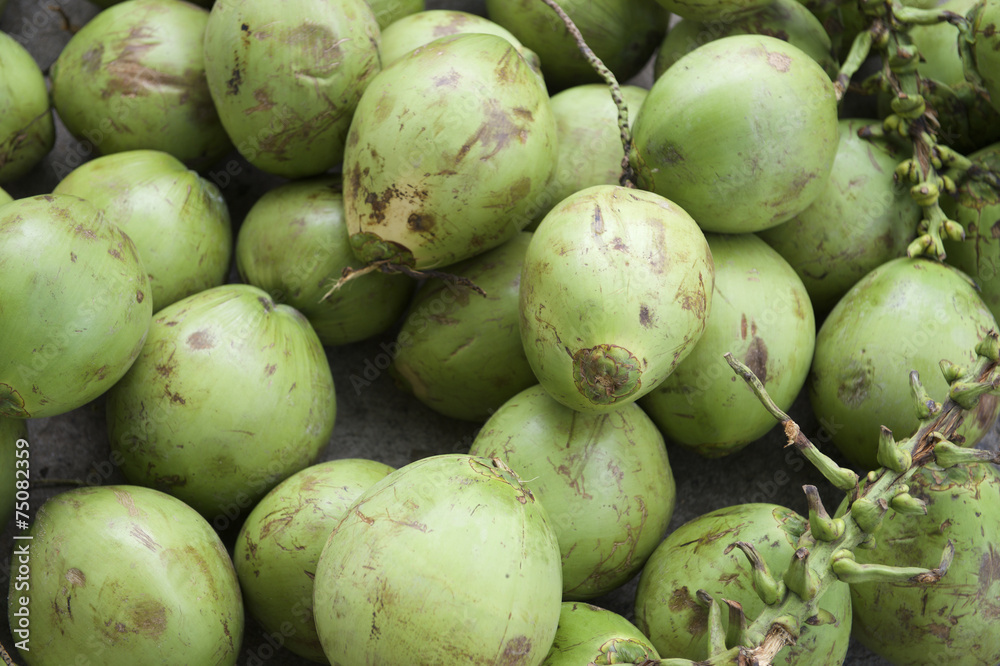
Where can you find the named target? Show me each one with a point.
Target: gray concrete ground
(378, 421)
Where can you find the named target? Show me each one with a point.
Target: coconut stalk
(825, 551)
(628, 174)
(934, 168)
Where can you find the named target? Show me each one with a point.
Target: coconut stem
(860, 48)
(912, 118)
(6, 657)
(841, 477)
(628, 175)
(716, 632)
(814, 567)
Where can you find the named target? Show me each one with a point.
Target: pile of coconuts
(349, 331)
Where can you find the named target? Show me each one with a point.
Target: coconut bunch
(808, 575)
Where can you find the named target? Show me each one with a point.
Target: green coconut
(622, 33)
(448, 560)
(694, 557)
(76, 305)
(615, 292)
(415, 30)
(231, 394)
(591, 635)
(950, 621)
(447, 150)
(27, 131)
(604, 479)
(294, 244)
(741, 133)
(459, 352)
(5, 197)
(123, 575)
(762, 315)
(906, 315)
(178, 220)
(788, 20)
(389, 11)
(862, 219)
(590, 143)
(279, 545)
(286, 77)
(15, 467)
(976, 206)
(133, 78)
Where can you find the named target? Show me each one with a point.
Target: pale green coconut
(976, 207)
(286, 77)
(906, 315)
(616, 291)
(279, 545)
(123, 575)
(950, 621)
(741, 133)
(762, 315)
(447, 150)
(417, 29)
(76, 305)
(27, 131)
(389, 11)
(178, 220)
(591, 635)
(604, 479)
(4, 197)
(448, 560)
(231, 394)
(985, 18)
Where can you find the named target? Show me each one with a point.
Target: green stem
(810, 574)
(860, 48)
(840, 477)
(628, 177)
